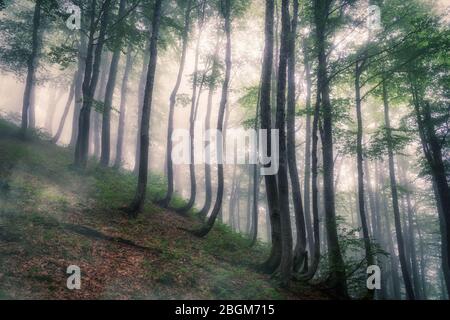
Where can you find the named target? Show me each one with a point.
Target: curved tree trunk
(195, 96)
(223, 102)
(173, 97)
(66, 109)
(122, 111)
(138, 203)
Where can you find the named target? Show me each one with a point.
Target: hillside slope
(52, 216)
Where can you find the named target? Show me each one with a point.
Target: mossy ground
(40, 194)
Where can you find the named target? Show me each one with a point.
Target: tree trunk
(78, 88)
(390, 243)
(274, 259)
(223, 103)
(432, 149)
(122, 111)
(31, 67)
(107, 105)
(398, 225)
(307, 173)
(138, 203)
(66, 108)
(142, 81)
(173, 98)
(359, 155)
(300, 248)
(337, 266)
(90, 83)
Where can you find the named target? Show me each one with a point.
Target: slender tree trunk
(223, 103)
(78, 94)
(31, 67)
(310, 270)
(123, 102)
(432, 150)
(142, 81)
(194, 102)
(360, 167)
(307, 174)
(393, 257)
(423, 278)
(138, 203)
(66, 108)
(90, 83)
(274, 259)
(107, 105)
(398, 225)
(173, 98)
(411, 232)
(338, 277)
(300, 248)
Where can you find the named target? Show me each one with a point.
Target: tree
(138, 203)
(274, 259)
(91, 73)
(195, 96)
(31, 66)
(286, 263)
(322, 13)
(122, 108)
(398, 226)
(173, 96)
(226, 13)
(107, 106)
(300, 248)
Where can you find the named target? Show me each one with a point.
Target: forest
(225, 149)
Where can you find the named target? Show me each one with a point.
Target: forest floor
(52, 216)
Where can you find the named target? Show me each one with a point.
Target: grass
(40, 195)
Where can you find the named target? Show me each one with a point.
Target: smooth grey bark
(31, 68)
(107, 104)
(123, 109)
(395, 205)
(90, 82)
(138, 203)
(172, 101)
(203, 231)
